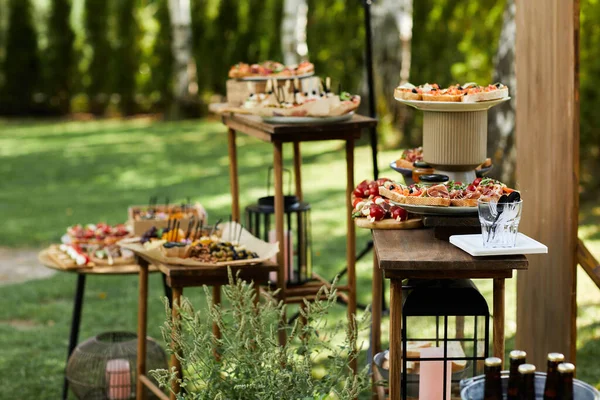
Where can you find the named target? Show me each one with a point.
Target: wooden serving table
(46, 260)
(418, 254)
(177, 278)
(277, 134)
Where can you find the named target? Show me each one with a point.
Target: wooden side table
(277, 134)
(418, 254)
(82, 273)
(178, 277)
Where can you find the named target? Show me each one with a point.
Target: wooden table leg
(376, 305)
(233, 177)
(75, 323)
(141, 332)
(499, 318)
(297, 171)
(351, 235)
(279, 227)
(177, 292)
(395, 338)
(216, 299)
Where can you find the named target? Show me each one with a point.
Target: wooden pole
(142, 325)
(279, 227)
(376, 306)
(499, 318)
(547, 142)
(177, 292)
(395, 338)
(350, 238)
(297, 170)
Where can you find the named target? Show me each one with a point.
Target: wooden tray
(388, 224)
(51, 258)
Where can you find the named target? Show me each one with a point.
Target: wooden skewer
(190, 224)
(240, 234)
(214, 228)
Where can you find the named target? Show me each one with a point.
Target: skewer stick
(230, 228)
(240, 234)
(214, 228)
(177, 232)
(190, 223)
(169, 227)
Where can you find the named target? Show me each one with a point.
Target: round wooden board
(388, 224)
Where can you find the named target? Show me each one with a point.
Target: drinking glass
(499, 222)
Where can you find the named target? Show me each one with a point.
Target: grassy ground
(60, 173)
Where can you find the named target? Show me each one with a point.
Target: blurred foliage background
(113, 57)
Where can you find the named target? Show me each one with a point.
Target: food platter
(439, 210)
(449, 106)
(407, 172)
(274, 77)
(308, 120)
(388, 224)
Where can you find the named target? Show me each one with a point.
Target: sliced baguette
(455, 98)
(405, 94)
(463, 202)
(402, 163)
(485, 96)
(394, 196)
(427, 201)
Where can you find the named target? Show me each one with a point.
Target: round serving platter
(450, 106)
(407, 172)
(437, 210)
(308, 120)
(277, 78)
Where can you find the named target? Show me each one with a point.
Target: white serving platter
(308, 120)
(277, 78)
(473, 244)
(450, 106)
(438, 210)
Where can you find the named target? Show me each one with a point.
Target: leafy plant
(251, 364)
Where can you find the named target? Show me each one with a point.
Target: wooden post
(177, 291)
(350, 237)
(297, 170)
(376, 306)
(233, 177)
(499, 318)
(547, 130)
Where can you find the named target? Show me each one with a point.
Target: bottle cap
(517, 355)
(556, 357)
(566, 368)
(493, 362)
(527, 369)
(421, 164)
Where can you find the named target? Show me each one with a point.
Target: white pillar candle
(118, 379)
(431, 375)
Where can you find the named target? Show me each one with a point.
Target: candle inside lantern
(431, 375)
(288, 260)
(118, 379)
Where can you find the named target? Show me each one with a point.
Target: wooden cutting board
(389, 224)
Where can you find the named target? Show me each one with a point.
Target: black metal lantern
(445, 337)
(260, 220)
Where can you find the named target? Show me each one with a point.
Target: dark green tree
(59, 55)
(21, 63)
(162, 59)
(126, 55)
(96, 28)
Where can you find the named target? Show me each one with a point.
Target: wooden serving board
(388, 224)
(64, 262)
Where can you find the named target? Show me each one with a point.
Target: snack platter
(232, 235)
(438, 210)
(448, 106)
(276, 77)
(270, 70)
(308, 120)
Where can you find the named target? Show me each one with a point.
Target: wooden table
(417, 254)
(277, 134)
(82, 272)
(178, 277)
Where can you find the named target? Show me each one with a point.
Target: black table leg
(168, 290)
(75, 322)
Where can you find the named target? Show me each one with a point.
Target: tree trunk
(501, 128)
(293, 31)
(184, 67)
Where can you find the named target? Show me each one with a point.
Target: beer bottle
(527, 386)
(517, 357)
(552, 376)
(565, 388)
(492, 389)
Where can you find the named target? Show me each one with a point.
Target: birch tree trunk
(501, 122)
(293, 31)
(184, 68)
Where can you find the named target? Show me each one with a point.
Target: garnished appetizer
(409, 157)
(270, 69)
(467, 93)
(370, 210)
(447, 194)
(76, 254)
(97, 234)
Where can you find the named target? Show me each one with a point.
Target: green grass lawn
(55, 174)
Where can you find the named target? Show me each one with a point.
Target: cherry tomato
(356, 201)
(364, 185)
(458, 183)
(358, 193)
(471, 188)
(381, 181)
(376, 212)
(477, 181)
(373, 189)
(398, 213)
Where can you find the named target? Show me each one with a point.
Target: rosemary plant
(251, 364)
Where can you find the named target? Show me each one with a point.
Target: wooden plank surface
(254, 126)
(547, 143)
(418, 250)
(47, 261)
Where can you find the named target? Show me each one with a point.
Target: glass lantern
(445, 337)
(260, 220)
